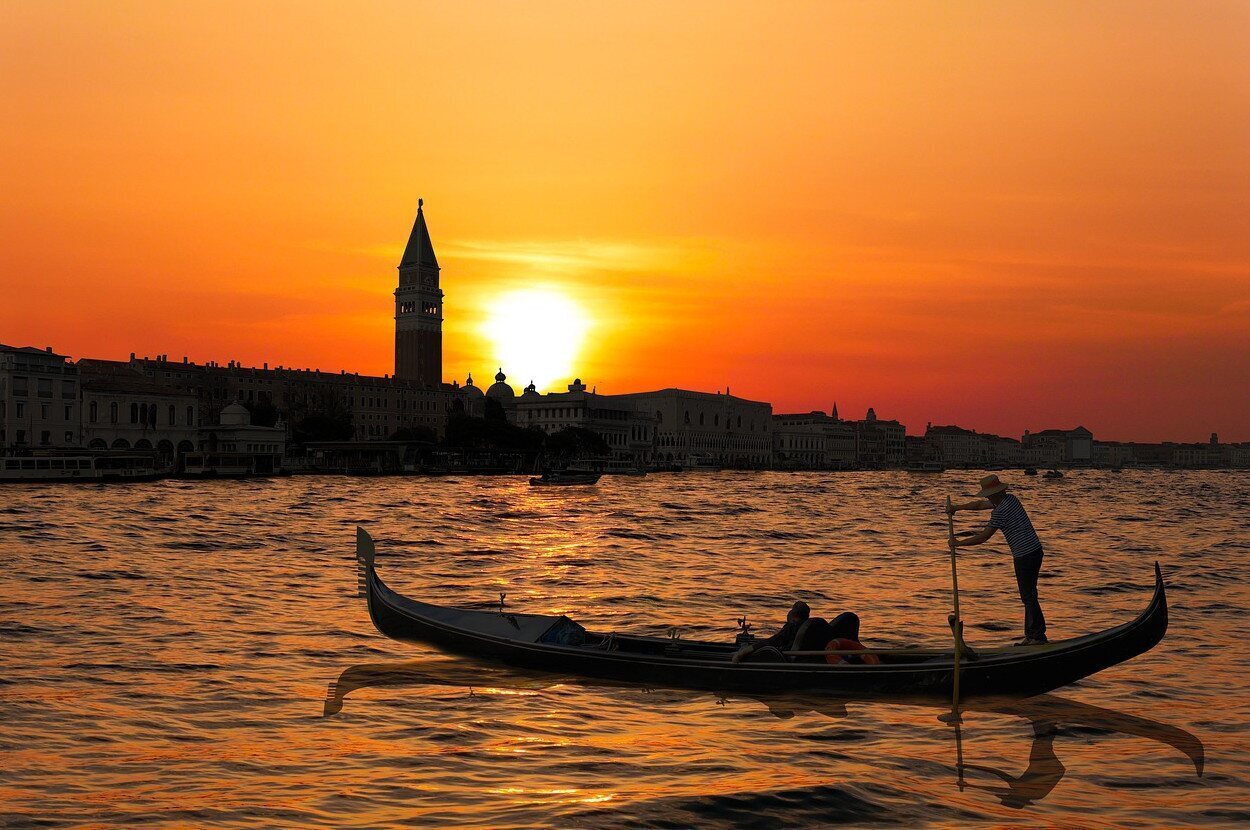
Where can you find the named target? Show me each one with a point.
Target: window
(67, 390)
(45, 387)
(45, 437)
(700, 419)
(20, 386)
(134, 413)
(113, 412)
(190, 416)
(43, 411)
(173, 415)
(69, 412)
(21, 436)
(69, 437)
(93, 412)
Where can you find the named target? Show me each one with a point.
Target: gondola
(557, 644)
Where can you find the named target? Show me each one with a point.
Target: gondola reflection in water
(557, 644)
(1048, 716)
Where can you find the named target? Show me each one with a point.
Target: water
(194, 654)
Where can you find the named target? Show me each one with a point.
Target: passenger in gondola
(802, 632)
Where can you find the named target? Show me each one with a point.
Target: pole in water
(957, 625)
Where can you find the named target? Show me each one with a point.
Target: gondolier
(1026, 549)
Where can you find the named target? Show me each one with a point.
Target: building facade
(1056, 447)
(707, 428)
(39, 405)
(881, 443)
(958, 447)
(124, 409)
(814, 441)
(628, 431)
(377, 407)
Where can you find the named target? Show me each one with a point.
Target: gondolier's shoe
(1029, 641)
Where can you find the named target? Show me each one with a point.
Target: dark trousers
(1027, 569)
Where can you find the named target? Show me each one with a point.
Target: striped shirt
(1010, 518)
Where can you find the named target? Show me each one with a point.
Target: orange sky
(1006, 216)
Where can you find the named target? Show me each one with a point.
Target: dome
(470, 389)
(531, 391)
(499, 390)
(235, 414)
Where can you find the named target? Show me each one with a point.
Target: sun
(536, 334)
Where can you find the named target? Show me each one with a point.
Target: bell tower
(419, 309)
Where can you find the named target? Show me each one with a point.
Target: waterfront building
(468, 399)
(799, 441)
(1239, 455)
(707, 428)
(234, 446)
(813, 441)
(1004, 451)
(881, 443)
(124, 409)
(1055, 447)
(376, 407)
(39, 405)
(958, 447)
(630, 432)
(1112, 454)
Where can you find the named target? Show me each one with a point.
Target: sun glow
(536, 334)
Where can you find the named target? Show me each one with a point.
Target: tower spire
(419, 251)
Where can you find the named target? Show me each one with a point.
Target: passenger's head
(798, 612)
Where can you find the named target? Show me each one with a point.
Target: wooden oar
(957, 624)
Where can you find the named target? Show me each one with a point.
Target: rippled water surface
(189, 654)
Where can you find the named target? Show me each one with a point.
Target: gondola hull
(518, 640)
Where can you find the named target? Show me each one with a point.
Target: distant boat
(926, 467)
(1053, 474)
(87, 467)
(1030, 471)
(563, 479)
(622, 468)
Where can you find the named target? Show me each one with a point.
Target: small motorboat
(1030, 471)
(563, 479)
(556, 643)
(1052, 474)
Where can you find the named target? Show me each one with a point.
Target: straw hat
(990, 485)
